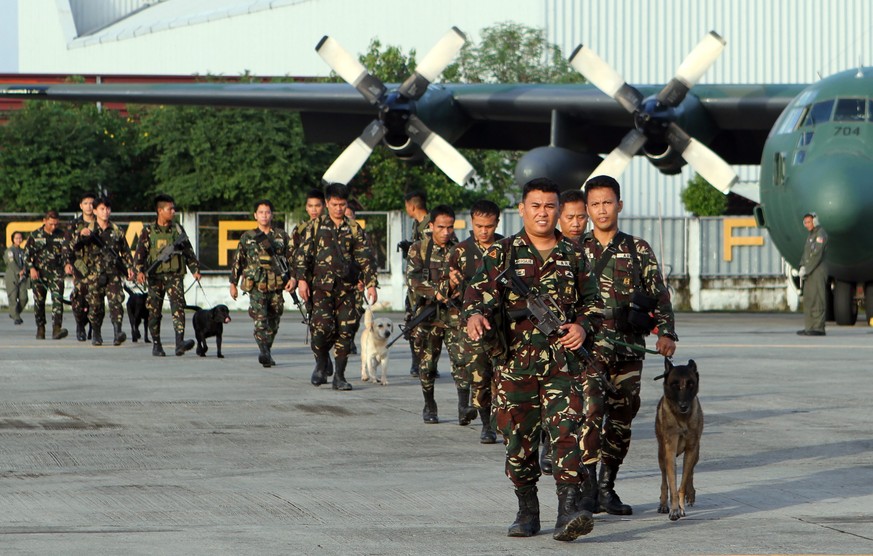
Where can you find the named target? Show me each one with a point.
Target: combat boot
(527, 520)
(264, 354)
(429, 413)
(157, 348)
(40, 332)
(319, 373)
(96, 334)
(80, 330)
(571, 522)
(120, 336)
(466, 412)
(339, 377)
(587, 499)
(270, 351)
(183, 345)
(609, 501)
(488, 436)
(58, 331)
(329, 368)
(545, 453)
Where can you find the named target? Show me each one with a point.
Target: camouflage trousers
(110, 288)
(359, 308)
(332, 321)
(479, 362)
(41, 288)
(266, 310)
(523, 405)
(427, 341)
(79, 298)
(171, 286)
(606, 433)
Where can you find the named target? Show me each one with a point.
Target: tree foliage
(702, 199)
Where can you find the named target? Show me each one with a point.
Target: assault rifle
(116, 257)
(546, 316)
(168, 251)
(277, 261)
(424, 315)
(304, 313)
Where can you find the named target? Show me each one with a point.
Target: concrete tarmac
(112, 451)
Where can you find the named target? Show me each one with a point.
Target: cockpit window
(820, 113)
(850, 110)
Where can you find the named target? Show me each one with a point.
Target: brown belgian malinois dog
(678, 427)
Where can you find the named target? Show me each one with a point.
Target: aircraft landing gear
(868, 302)
(845, 306)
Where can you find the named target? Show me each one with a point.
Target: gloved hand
(802, 272)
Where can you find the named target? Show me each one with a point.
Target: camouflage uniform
(108, 266)
(261, 281)
(426, 274)
(420, 230)
(166, 278)
(608, 440)
(477, 356)
(48, 254)
(535, 385)
(80, 262)
(326, 252)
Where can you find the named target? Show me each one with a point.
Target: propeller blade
(618, 160)
(705, 162)
(441, 152)
(598, 72)
(355, 155)
(433, 64)
(350, 69)
(692, 69)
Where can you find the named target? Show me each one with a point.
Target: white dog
(374, 350)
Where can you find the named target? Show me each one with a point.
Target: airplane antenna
(818, 73)
(860, 73)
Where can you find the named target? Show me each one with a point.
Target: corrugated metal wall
(768, 41)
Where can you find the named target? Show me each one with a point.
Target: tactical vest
(159, 240)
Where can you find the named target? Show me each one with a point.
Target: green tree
(702, 199)
(52, 151)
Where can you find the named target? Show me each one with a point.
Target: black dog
(138, 314)
(208, 323)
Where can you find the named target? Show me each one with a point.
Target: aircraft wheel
(868, 302)
(845, 308)
(829, 301)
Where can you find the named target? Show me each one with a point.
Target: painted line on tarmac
(783, 346)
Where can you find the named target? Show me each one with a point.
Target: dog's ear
(692, 366)
(667, 365)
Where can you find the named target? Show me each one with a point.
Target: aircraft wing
(734, 120)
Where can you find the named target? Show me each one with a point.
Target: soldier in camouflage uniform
(431, 285)
(161, 256)
(79, 297)
(416, 208)
(636, 301)
(331, 259)
(536, 383)
(48, 257)
(359, 288)
(106, 249)
(465, 258)
(263, 262)
(574, 216)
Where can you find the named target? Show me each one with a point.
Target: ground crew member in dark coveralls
(465, 259)
(161, 256)
(48, 257)
(79, 297)
(331, 259)
(17, 278)
(106, 249)
(430, 288)
(636, 301)
(536, 382)
(814, 277)
(262, 262)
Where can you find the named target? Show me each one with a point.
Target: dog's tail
(368, 318)
(193, 308)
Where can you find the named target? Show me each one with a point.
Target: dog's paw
(384, 383)
(690, 496)
(220, 356)
(662, 509)
(674, 515)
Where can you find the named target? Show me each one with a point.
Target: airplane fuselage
(819, 158)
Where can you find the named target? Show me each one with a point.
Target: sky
(8, 36)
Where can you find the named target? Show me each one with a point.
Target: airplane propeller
(654, 117)
(396, 117)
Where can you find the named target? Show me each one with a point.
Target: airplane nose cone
(840, 189)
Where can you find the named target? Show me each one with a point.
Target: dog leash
(639, 349)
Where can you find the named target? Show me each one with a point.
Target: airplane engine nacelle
(569, 169)
(664, 157)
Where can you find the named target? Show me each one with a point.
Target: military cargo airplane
(813, 142)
